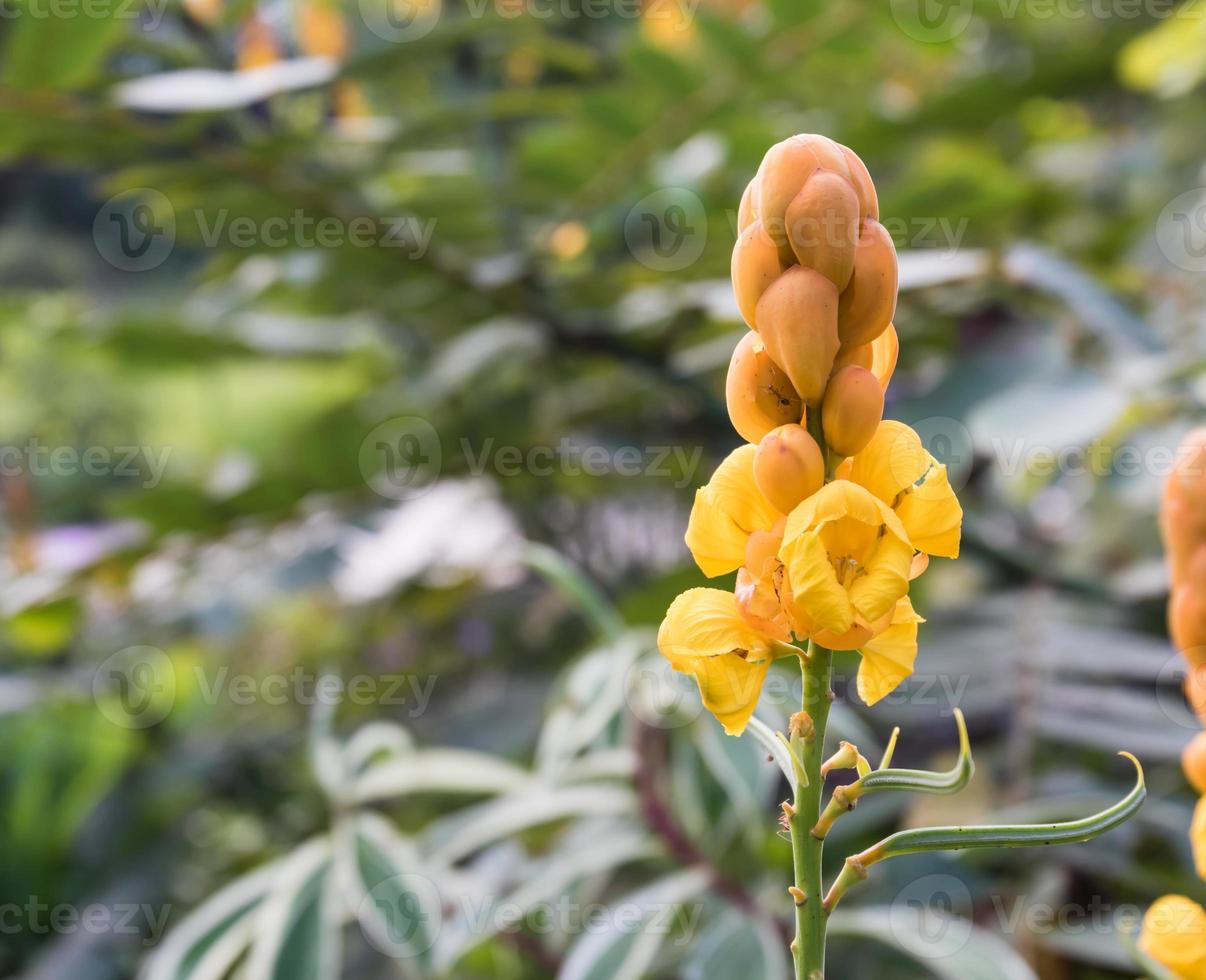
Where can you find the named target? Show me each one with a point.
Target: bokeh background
(385, 341)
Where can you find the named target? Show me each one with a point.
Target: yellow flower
(897, 469)
(1174, 934)
(705, 635)
(848, 557)
(726, 512)
(763, 590)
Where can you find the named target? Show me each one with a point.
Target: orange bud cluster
(1183, 525)
(815, 276)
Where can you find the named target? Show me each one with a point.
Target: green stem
(808, 950)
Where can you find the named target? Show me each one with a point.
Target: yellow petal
(891, 462)
(932, 515)
(705, 635)
(728, 685)
(707, 623)
(726, 512)
(889, 657)
(818, 597)
(897, 469)
(886, 579)
(1174, 934)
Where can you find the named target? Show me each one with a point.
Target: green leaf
(626, 952)
(946, 946)
(60, 52)
(208, 942)
(396, 900)
(734, 945)
(297, 930)
(553, 566)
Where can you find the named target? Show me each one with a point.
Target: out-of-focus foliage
(246, 317)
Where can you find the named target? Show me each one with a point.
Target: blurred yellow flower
(705, 635)
(321, 30)
(1197, 837)
(257, 46)
(1174, 934)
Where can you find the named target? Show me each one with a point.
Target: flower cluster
(1174, 929)
(828, 512)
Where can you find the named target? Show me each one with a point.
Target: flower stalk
(808, 948)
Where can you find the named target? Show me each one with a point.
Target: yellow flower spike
(1174, 935)
(726, 512)
(847, 556)
(1197, 837)
(888, 658)
(897, 469)
(705, 635)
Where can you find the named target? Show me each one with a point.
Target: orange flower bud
(869, 302)
(747, 211)
(785, 168)
(1187, 622)
(798, 321)
(868, 200)
(759, 395)
(754, 267)
(321, 31)
(257, 47)
(1193, 761)
(852, 410)
(1195, 691)
(1183, 509)
(862, 356)
(885, 349)
(788, 467)
(822, 226)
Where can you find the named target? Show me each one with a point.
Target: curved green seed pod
(1007, 835)
(921, 781)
